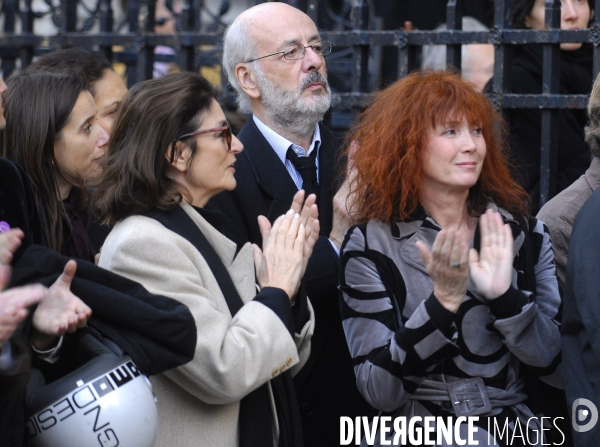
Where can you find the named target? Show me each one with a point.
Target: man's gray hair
(238, 46)
(592, 130)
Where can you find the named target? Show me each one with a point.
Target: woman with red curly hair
(448, 287)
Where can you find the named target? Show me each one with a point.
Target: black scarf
(255, 424)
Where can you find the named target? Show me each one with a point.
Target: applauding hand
(446, 264)
(279, 263)
(491, 269)
(309, 217)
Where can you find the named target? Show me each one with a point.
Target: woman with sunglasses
(171, 150)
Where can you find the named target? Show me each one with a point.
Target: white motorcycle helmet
(106, 402)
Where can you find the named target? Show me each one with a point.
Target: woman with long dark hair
(171, 150)
(53, 135)
(448, 289)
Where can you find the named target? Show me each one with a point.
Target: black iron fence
(132, 40)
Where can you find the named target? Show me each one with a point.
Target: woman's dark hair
(153, 115)
(522, 8)
(37, 106)
(87, 65)
(389, 164)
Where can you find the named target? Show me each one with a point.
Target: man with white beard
(275, 60)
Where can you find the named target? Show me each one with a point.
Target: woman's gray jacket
(409, 350)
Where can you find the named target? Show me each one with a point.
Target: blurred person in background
(573, 155)
(105, 85)
(477, 59)
(559, 213)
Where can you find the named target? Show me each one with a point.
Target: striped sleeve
(533, 334)
(391, 355)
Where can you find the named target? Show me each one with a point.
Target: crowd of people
(272, 282)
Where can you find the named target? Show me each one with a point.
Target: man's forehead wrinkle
(266, 42)
(296, 40)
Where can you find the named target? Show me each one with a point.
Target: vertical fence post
(502, 53)
(145, 59)
(9, 8)
(68, 12)
(407, 54)
(360, 55)
(189, 20)
(550, 80)
(133, 7)
(595, 36)
(454, 22)
(106, 26)
(26, 52)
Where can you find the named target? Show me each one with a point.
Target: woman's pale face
(80, 148)
(109, 93)
(574, 14)
(212, 169)
(453, 157)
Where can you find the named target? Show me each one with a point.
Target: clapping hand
(446, 264)
(60, 312)
(279, 263)
(491, 269)
(309, 217)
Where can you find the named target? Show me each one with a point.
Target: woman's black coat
(573, 156)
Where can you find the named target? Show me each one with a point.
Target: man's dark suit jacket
(326, 386)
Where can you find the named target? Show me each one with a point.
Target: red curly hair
(394, 130)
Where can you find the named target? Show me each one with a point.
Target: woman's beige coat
(199, 402)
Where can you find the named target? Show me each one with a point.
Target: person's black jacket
(12, 392)
(326, 385)
(580, 331)
(158, 333)
(16, 205)
(16, 211)
(573, 156)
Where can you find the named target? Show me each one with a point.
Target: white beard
(289, 110)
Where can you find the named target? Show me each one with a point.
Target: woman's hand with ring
(446, 264)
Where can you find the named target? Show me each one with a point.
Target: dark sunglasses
(225, 129)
